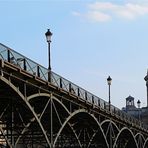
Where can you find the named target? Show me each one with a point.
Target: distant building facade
(131, 109)
(138, 112)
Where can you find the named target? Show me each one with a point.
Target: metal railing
(43, 73)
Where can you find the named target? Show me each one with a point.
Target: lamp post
(48, 35)
(109, 80)
(138, 104)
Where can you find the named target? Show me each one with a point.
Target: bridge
(41, 109)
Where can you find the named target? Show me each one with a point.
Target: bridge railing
(43, 73)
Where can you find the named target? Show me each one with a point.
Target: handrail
(34, 68)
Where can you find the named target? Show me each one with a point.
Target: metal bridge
(40, 109)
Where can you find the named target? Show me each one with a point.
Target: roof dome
(130, 98)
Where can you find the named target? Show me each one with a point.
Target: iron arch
(47, 95)
(15, 89)
(139, 134)
(140, 140)
(127, 139)
(110, 130)
(110, 121)
(29, 98)
(55, 100)
(91, 116)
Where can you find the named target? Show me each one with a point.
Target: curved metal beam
(140, 136)
(28, 105)
(47, 95)
(38, 95)
(111, 130)
(120, 132)
(64, 124)
(72, 115)
(110, 121)
(96, 132)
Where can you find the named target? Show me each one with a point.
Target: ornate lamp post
(138, 104)
(109, 80)
(48, 35)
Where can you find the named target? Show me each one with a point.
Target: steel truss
(32, 117)
(37, 114)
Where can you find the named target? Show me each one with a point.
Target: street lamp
(138, 104)
(48, 35)
(109, 80)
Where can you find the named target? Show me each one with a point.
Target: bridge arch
(76, 113)
(111, 130)
(48, 96)
(140, 140)
(21, 96)
(125, 138)
(54, 100)
(107, 121)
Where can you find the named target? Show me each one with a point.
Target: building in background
(138, 112)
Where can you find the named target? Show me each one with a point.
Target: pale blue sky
(91, 40)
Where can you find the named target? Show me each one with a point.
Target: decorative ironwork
(35, 112)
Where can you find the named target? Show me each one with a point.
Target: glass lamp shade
(138, 103)
(48, 35)
(109, 80)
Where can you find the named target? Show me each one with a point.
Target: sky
(91, 40)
